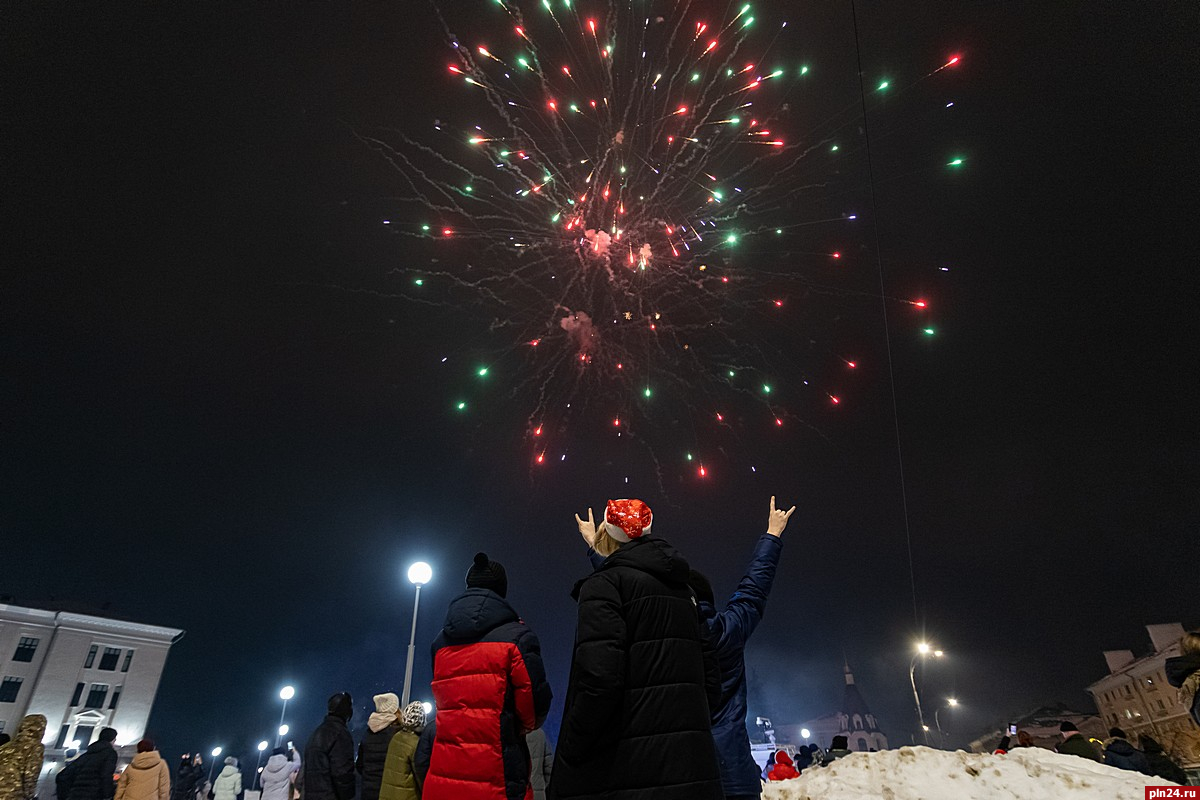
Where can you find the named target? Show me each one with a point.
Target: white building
(853, 719)
(1135, 696)
(82, 672)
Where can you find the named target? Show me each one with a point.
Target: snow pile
(920, 773)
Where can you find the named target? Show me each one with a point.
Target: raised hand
(775, 523)
(587, 529)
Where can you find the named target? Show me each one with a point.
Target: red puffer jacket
(490, 688)
(783, 768)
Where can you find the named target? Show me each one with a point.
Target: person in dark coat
(1183, 672)
(1119, 753)
(490, 689)
(1160, 763)
(90, 777)
(188, 777)
(728, 631)
(424, 753)
(382, 725)
(802, 761)
(839, 747)
(1073, 743)
(328, 763)
(636, 725)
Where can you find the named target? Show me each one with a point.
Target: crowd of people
(1118, 751)
(655, 703)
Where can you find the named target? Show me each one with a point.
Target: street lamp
(923, 649)
(258, 767)
(285, 694)
(427, 707)
(216, 751)
(950, 703)
(419, 574)
(805, 732)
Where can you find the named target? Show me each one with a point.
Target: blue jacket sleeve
(748, 603)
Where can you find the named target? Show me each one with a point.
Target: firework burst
(646, 215)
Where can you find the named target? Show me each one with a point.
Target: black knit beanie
(487, 574)
(108, 734)
(340, 705)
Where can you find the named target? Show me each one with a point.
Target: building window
(9, 690)
(1128, 691)
(77, 696)
(83, 735)
(108, 661)
(1162, 706)
(128, 661)
(61, 741)
(25, 649)
(116, 696)
(91, 657)
(97, 696)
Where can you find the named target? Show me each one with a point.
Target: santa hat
(627, 519)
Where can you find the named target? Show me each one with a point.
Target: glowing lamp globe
(420, 573)
(923, 648)
(262, 746)
(287, 693)
(283, 730)
(805, 732)
(216, 752)
(428, 706)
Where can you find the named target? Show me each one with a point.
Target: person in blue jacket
(728, 631)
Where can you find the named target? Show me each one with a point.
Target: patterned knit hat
(413, 716)
(627, 519)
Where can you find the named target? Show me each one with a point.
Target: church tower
(856, 722)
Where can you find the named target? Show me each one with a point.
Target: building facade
(853, 720)
(82, 672)
(1136, 697)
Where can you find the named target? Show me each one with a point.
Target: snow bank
(920, 773)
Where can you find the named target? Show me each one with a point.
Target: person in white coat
(228, 785)
(147, 778)
(279, 774)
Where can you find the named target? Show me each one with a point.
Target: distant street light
(285, 694)
(216, 752)
(805, 732)
(262, 746)
(923, 649)
(950, 703)
(419, 574)
(428, 707)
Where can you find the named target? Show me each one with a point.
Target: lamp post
(262, 746)
(283, 731)
(923, 649)
(950, 703)
(216, 751)
(285, 694)
(419, 574)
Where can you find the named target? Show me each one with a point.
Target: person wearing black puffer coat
(636, 724)
(328, 766)
(90, 777)
(189, 776)
(382, 725)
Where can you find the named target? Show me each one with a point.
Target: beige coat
(147, 778)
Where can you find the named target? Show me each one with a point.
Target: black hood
(651, 555)
(1180, 667)
(475, 612)
(655, 556)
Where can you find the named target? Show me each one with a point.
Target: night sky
(216, 416)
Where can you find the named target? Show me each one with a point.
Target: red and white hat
(627, 519)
